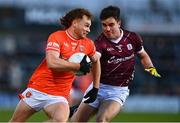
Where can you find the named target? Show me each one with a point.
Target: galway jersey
(118, 59)
(59, 83)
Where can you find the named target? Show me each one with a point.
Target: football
(77, 58)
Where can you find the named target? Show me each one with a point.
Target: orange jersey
(59, 83)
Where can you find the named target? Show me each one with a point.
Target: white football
(77, 58)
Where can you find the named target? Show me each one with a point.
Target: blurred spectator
(4, 84)
(15, 75)
(9, 45)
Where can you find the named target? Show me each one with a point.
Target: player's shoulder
(58, 32)
(58, 35)
(88, 40)
(101, 38)
(130, 34)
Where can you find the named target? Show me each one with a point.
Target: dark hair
(110, 11)
(78, 13)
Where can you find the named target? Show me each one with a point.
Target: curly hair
(78, 13)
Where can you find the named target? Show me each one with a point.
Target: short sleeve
(138, 42)
(92, 48)
(53, 43)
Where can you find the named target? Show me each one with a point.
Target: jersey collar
(70, 36)
(120, 37)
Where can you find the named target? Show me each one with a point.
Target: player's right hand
(91, 95)
(85, 66)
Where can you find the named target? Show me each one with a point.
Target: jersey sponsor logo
(115, 60)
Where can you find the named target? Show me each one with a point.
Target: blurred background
(26, 24)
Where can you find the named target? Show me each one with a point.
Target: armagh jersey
(118, 59)
(59, 83)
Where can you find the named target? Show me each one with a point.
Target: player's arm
(145, 59)
(147, 63)
(57, 64)
(96, 72)
(96, 69)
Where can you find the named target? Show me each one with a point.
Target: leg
(73, 109)
(83, 113)
(22, 112)
(108, 110)
(58, 112)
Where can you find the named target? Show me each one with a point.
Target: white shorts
(39, 100)
(108, 92)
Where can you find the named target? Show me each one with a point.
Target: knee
(60, 119)
(102, 119)
(76, 118)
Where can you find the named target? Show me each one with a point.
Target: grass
(122, 117)
(147, 117)
(5, 115)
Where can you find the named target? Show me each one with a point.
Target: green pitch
(126, 117)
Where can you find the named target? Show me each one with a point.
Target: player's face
(82, 28)
(111, 27)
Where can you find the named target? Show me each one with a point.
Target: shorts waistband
(122, 87)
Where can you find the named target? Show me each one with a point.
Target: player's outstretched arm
(148, 65)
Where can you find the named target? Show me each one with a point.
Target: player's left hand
(153, 71)
(85, 66)
(91, 95)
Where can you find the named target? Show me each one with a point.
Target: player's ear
(74, 23)
(119, 23)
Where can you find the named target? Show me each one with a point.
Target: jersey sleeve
(92, 48)
(138, 42)
(53, 43)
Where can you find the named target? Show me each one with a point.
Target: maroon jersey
(118, 59)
